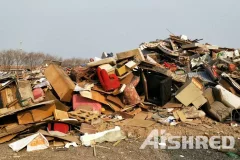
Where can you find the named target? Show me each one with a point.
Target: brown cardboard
(127, 79)
(131, 64)
(87, 128)
(109, 60)
(149, 115)
(58, 143)
(13, 111)
(188, 93)
(140, 123)
(122, 70)
(60, 81)
(141, 115)
(59, 105)
(108, 68)
(34, 115)
(175, 115)
(115, 100)
(201, 100)
(7, 138)
(58, 114)
(135, 112)
(68, 138)
(137, 53)
(14, 130)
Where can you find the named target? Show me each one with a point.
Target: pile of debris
(171, 81)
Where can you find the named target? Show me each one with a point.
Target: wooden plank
(181, 116)
(114, 106)
(7, 138)
(100, 89)
(173, 45)
(137, 53)
(127, 79)
(109, 60)
(115, 100)
(175, 115)
(193, 45)
(172, 105)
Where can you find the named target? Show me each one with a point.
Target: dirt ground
(129, 148)
(124, 150)
(213, 128)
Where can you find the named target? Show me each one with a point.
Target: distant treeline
(34, 59)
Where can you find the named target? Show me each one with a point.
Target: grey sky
(77, 28)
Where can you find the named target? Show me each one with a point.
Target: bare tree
(19, 57)
(7, 59)
(34, 59)
(73, 62)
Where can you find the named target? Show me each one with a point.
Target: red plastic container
(61, 127)
(38, 92)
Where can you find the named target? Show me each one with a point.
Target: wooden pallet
(84, 116)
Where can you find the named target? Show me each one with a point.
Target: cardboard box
(188, 93)
(60, 81)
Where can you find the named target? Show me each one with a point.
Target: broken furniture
(215, 106)
(159, 88)
(10, 98)
(108, 82)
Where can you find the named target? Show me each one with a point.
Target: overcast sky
(77, 28)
